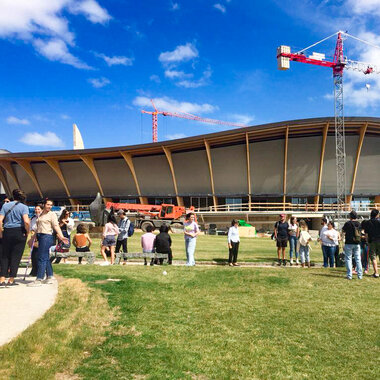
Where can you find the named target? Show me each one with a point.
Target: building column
(208, 152)
(321, 161)
(362, 132)
(89, 161)
(8, 167)
(248, 171)
(54, 164)
(285, 166)
(29, 170)
(168, 155)
(129, 161)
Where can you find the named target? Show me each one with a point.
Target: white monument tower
(77, 138)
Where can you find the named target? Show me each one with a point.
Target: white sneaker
(297, 262)
(49, 280)
(35, 283)
(291, 261)
(105, 263)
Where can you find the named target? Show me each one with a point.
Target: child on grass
(82, 241)
(304, 240)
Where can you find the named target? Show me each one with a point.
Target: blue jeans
(304, 253)
(349, 251)
(330, 253)
(45, 241)
(293, 246)
(190, 244)
(325, 256)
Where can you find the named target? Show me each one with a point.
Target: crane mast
(339, 63)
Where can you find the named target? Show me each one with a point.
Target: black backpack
(357, 235)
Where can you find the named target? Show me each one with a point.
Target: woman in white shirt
(331, 238)
(233, 243)
(293, 232)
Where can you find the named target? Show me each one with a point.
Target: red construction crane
(338, 64)
(184, 115)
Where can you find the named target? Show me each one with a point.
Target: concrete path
(21, 306)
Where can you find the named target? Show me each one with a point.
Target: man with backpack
(372, 229)
(352, 235)
(122, 239)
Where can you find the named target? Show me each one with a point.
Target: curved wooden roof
(271, 131)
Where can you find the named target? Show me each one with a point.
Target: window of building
(234, 201)
(360, 204)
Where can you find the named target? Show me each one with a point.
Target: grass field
(203, 323)
(214, 248)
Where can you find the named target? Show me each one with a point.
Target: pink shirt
(110, 229)
(147, 241)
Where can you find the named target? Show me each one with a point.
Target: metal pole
(340, 151)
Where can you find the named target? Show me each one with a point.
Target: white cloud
(41, 22)
(56, 50)
(99, 82)
(16, 120)
(155, 78)
(241, 118)
(174, 7)
(91, 10)
(42, 139)
(362, 7)
(203, 81)
(168, 104)
(181, 53)
(220, 7)
(65, 117)
(175, 74)
(175, 136)
(116, 60)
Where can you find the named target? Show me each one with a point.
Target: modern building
(290, 162)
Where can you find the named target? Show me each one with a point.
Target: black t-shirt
(282, 229)
(372, 228)
(349, 231)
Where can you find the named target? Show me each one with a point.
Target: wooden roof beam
(29, 170)
(168, 155)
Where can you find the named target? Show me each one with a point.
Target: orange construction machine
(154, 215)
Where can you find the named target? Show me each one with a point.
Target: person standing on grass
(46, 225)
(281, 235)
(163, 243)
(233, 243)
(331, 238)
(14, 229)
(122, 238)
(351, 231)
(191, 231)
(304, 240)
(82, 241)
(372, 229)
(110, 233)
(293, 239)
(324, 242)
(33, 243)
(67, 225)
(147, 242)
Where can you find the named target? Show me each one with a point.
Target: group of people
(49, 233)
(116, 234)
(361, 242)
(15, 226)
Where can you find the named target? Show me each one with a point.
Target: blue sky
(97, 64)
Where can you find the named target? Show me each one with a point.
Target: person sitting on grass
(147, 242)
(304, 240)
(162, 244)
(82, 241)
(110, 233)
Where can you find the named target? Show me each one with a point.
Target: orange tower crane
(183, 115)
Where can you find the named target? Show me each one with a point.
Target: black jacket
(162, 243)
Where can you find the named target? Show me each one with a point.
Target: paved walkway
(21, 306)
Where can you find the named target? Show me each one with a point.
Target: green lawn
(222, 323)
